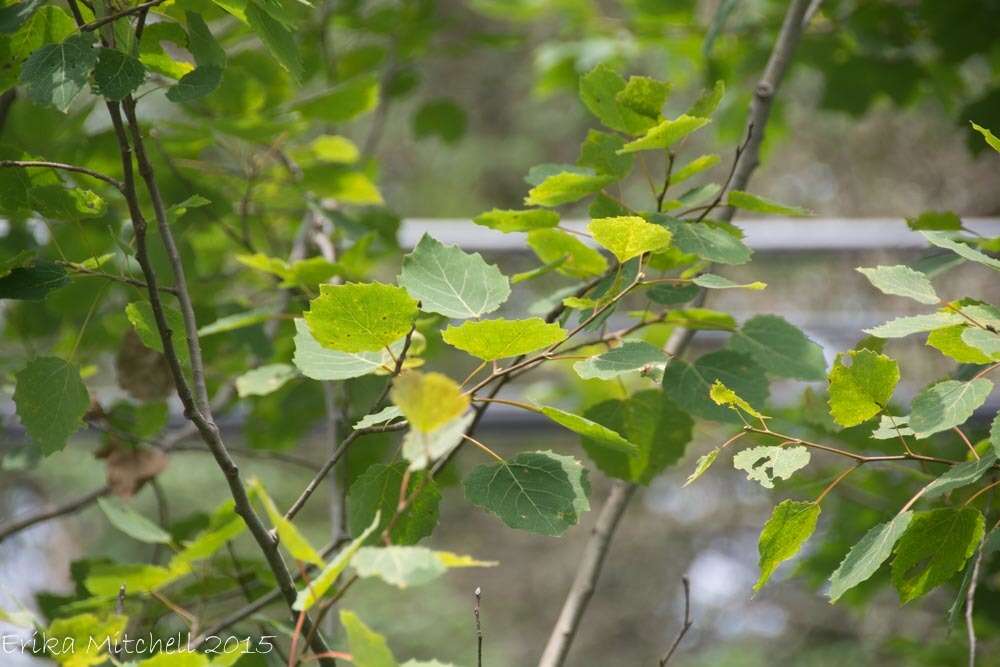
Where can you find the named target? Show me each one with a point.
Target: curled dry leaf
(142, 372)
(128, 468)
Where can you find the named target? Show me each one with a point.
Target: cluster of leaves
(927, 547)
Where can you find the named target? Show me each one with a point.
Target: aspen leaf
(629, 236)
(780, 347)
(490, 340)
(791, 524)
(51, 401)
(860, 391)
(947, 404)
(758, 204)
(576, 258)
(428, 400)
(865, 557)
(768, 463)
(517, 221)
(934, 547)
(901, 281)
(360, 317)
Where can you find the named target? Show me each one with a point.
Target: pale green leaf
(665, 134)
(985, 341)
(705, 462)
(865, 557)
(490, 340)
(448, 281)
(541, 492)
(320, 363)
(990, 138)
(708, 101)
(768, 463)
(791, 524)
(629, 236)
(723, 395)
(904, 326)
(264, 380)
(861, 390)
(599, 90)
(589, 429)
(421, 448)
(130, 522)
(950, 341)
(106, 579)
(83, 640)
(56, 73)
(576, 258)
(289, 535)
(757, 204)
(385, 415)
(236, 321)
(901, 281)
(945, 240)
(224, 525)
(335, 148)
(934, 547)
(712, 281)
(960, 475)
(368, 648)
(947, 404)
(322, 583)
(344, 102)
(360, 317)
(517, 221)
(405, 566)
(566, 187)
(891, 427)
(51, 401)
(780, 347)
(694, 167)
(428, 400)
(632, 356)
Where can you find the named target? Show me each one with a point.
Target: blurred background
(871, 127)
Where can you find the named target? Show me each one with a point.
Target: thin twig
(685, 627)
(970, 601)
(479, 628)
(61, 166)
(104, 20)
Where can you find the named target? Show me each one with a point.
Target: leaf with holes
(768, 463)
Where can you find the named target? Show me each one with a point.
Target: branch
(44, 164)
(68, 507)
(970, 600)
(684, 628)
(104, 20)
(586, 575)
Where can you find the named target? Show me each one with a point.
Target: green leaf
(140, 315)
(960, 475)
(277, 38)
(376, 492)
(288, 533)
(579, 259)
(951, 343)
(428, 400)
(322, 583)
(14, 14)
(768, 463)
(985, 341)
(791, 524)
(665, 135)
(934, 220)
(947, 404)
(105, 579)
(643, 95)
(51, 401)
(360, 317)
(749, 202)
(944, 240)
(421, 448)
(711, 241)
(890, 427)
(780, 347)
(196, 84)
(264, 380)
(599, 91)
(712, 281)
(708, 101)
(632, 356)
(590, 429)
(130, 522)
(490, 340)
(688, 385)
(344, 102)
(405, 566)
(651, 422)
(629, 236)
(117, 74)
(335, 148)
(202, 44)
(865, 557)
(56, 73)
(33, 282)
(385, 415)
(904, 326)
(703, 319)
(224, 525)
(862, 390)
(565, 187)
(48, 25)
(694, 167)
(451, 282)
(990, 138)
(934, 547)
(84, 639)
(599, 151)
(440, 118)
(320, 363)
(705, 462)
(901, 281)
(517, 221)
(368, 648)
(723, 395)
(541, 492)
(672, 295)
